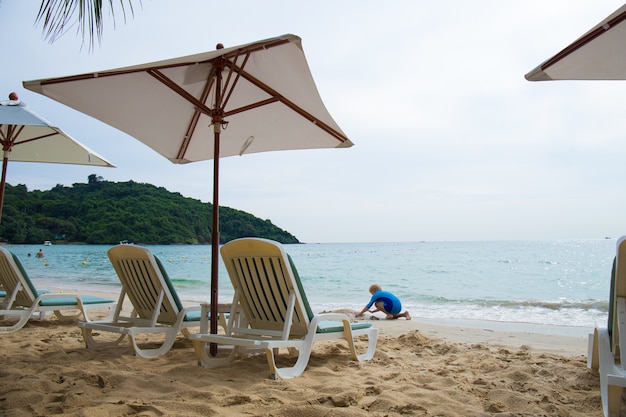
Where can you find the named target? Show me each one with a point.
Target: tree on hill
(105, 212)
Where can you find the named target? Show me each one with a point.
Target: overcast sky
(451, 142)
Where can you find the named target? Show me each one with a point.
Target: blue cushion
(71, 301)
(337, 326)
(195, 315)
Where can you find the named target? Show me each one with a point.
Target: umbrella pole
(215, 235)
(216, 118)
(5, 161)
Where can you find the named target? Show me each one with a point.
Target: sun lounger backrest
(12, 275)
(619, 291)
(261, 275)
(143, 280)
(610, 322)
(305, 300)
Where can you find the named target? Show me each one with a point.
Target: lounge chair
(21, 301)
(156, 306)
(270, 311)
(605, 344)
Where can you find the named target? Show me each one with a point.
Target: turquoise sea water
(562, 283)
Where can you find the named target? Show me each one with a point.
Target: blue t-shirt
(390, 302)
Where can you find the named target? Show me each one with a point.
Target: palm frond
(58, 16)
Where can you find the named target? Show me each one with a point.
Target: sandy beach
(421, 368)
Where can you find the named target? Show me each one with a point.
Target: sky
(451, 142)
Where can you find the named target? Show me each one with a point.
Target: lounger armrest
(343, 318)
(331, 316)
(79, 301)
(191, 308)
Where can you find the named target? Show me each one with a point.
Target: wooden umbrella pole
(215, 238)
(5, 161)
(215, 233)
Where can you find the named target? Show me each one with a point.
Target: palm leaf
(58, 16)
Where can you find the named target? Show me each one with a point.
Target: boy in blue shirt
(386, 302)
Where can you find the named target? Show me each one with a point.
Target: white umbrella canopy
(27, 137)
(268, 99)
(599, 54)
(256, 97)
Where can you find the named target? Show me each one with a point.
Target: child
(386, 302)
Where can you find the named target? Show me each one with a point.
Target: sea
(511, 284)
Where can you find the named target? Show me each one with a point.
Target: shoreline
(569, 341)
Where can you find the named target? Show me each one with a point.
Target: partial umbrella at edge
(256, 97)
(27, 137)
(599, 54)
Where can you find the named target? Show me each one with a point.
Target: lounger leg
(614, 400)
(65, 317)
(90, 342)
(206, 360)
(22, 319)
(372, 337)
(304, 354)
(170, 338)
(593, 359)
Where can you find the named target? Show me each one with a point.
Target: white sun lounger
(156, 306)
(21, 301)
(606, 344)
(270, 311)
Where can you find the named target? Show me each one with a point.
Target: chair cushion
(24, 274)
(168, 281)
(193, 315)
(70, 301)
(337, 326)
(305, 300)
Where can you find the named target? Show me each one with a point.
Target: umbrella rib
(237, 70)
(194, 120)
(585, 40)
(276, 96)
(13, 132)
(178, 89)
(200, 107)
(35, 138)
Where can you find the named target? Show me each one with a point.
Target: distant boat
(125, 242)
(47, 243)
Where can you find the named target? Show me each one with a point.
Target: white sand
(420, 368)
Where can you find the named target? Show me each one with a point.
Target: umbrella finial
(14, 100)
(219, 46)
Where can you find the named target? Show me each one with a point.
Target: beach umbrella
(27, 137)
(256, 97)
(599, 54)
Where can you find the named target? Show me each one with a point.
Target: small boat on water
(47, 243)
(125, 242)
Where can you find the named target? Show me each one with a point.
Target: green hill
(104, 212)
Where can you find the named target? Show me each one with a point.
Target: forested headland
(105, 212)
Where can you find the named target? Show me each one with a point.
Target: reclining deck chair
(270, 302)
(21, 300)
(606, 344)
(156, 306)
